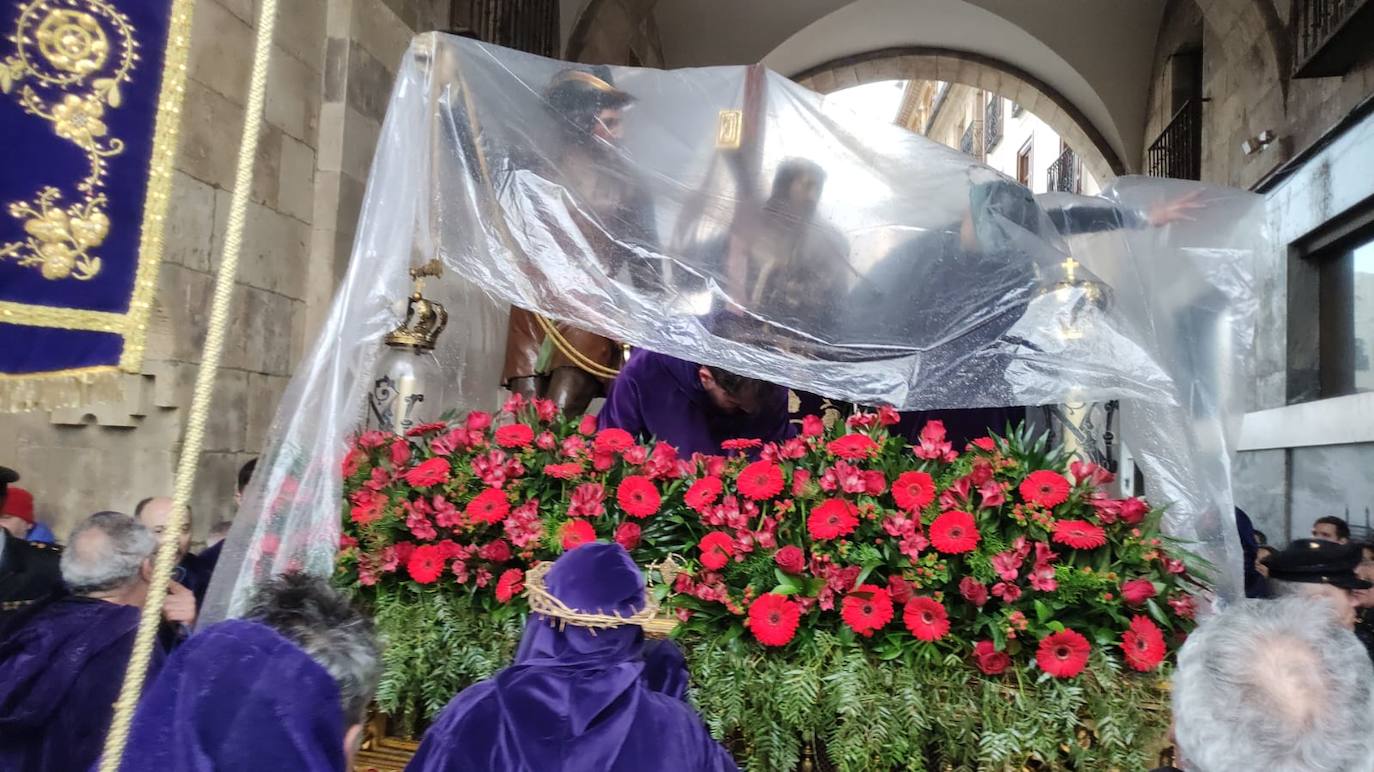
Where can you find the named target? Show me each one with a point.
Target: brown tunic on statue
(525, 338)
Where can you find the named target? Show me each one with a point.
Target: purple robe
(574, 701)
(238, 696)
(659, 396)
(60, 674)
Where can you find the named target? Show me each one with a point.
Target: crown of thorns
(546, 604)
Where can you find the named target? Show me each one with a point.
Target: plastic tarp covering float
(731, 217)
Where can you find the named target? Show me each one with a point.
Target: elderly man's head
(1274, 684)
(155, 513)
(109, 556)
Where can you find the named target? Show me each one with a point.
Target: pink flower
(400, 452)
(790, 559)
(587, 426)
(887, 416)
(587, 500)
(1090, 473)
(974, 591)
(627, 535)
(514, 403)
(1007, 565)
(812, 426)
(497, 551)
(478, 421)
(546, 441)
(1137, 591)
(545, 409)
(1007, 591)
(1133, 511)
(1183, 606)
(1042, 579)
(933, 445)
(992, 493)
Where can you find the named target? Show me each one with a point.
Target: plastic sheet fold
(728, 216)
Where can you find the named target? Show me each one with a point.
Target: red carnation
(1137, 591)
(1133, 511)
(1143, 644)
(497, 551)
(716, 549)
(913, 490)
(627, 535)
(741, 443)
(515, 436)
(637, 496)
(577, 532)
(926, 618)
(400, 452)
(1046, 488)
(587, 426)
(773, 619)
(511, 583)
(866, 608)
(563, 471)
(832, 519)
(790, 559)
(974, 591)
(426, 564)
(545, 409)
(853, 446)
(1063, 655)
(954, 532)
(612, 441)
(989, 659)
(760, 480)
(703, 493)
(431, 472)
(489, 506)
(1079, 534)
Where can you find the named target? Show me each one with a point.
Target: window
(1334, 273)
(1023, 162)
(992, 121)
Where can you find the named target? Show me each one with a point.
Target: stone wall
(331, 72)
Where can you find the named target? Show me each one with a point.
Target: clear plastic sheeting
(729, 216)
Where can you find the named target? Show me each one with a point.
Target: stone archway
(979, 71)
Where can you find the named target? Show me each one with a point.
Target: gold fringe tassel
(69, 388)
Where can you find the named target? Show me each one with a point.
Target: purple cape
(238, 696)
(659, 396)
(60, 673)
(574, 701)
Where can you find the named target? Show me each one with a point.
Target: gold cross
(1069, 266)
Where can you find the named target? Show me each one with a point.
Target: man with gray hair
(1277, 685)
(287, 687)
(62, 662)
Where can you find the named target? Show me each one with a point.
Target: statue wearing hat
(552, 359)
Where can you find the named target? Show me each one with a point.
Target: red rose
(497, 551)
(577, 532)
(1063, 655)
(832, 519)
(627, 535)
(874, 482)
(425, 565)
(773, 619)
(511, 583)
(954, 533)
(515, 436)
(790, 559)
(913, 490)
(637, 496)
(703, 493)
(1143, 644)
(400, 452)
(812, 426)
(716, 549)
(989, 659)
(1045, 488)
(760, 481)
(1133, 511)
(1079, 534)
(974, 591)
(900, 589)
(612, 441)
(478, 420)
(432, 472)
(587, 426)
(1137, 591)
(489, 506)
(866, 608)
(926, 618)
(853, 446)
(888, 416)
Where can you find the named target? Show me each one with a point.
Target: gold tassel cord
(570, 351)
(204, 389)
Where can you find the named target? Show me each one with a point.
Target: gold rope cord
(570, 351)
(205, 381)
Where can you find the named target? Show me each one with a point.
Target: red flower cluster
(867, 608)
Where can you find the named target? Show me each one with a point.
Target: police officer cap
(1315, 561)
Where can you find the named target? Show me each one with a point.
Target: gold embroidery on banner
(62, 318)
(60, 48)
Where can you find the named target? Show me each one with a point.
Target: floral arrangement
(994, 562)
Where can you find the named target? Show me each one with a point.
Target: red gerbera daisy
(703, 493)
(740, 443)
(511, 583)
(1046, 488)
(760, 480)
(1079, 534)
(954, 532)
(576, 532)
(867, 608)
(1063, 655)
(913, 490)
(773, 619)
(853, 446)
(926, 618)
(637, 496)
(716, 549)
(426, 564)
(489, 506)
(612, 441)
(514, 436)
(428, 473)
(832, 519)
(563, 471)
(1143, 644)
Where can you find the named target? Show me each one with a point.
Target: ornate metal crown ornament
(425, 318)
